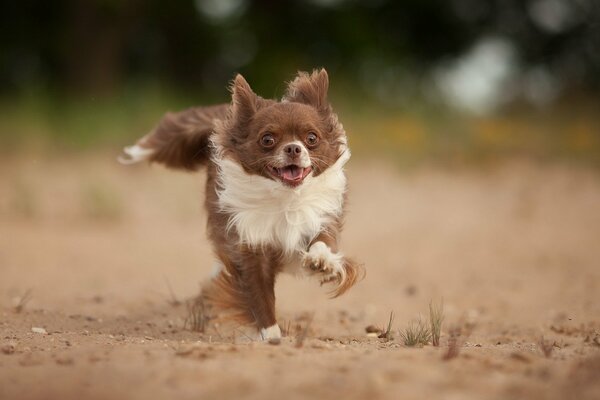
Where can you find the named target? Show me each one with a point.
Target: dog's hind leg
(246, 295)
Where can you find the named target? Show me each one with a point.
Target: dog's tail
(181, 140)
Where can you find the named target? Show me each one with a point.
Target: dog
(275, 191)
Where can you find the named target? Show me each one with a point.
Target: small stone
(41, 331)
(275, 341)
(372, 329)
(9, 348)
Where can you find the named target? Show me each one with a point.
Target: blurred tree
(95, 38)
(93, 45)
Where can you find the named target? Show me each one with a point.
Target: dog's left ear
(243, 99)
(309, 89)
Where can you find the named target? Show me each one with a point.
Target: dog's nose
(293, 150)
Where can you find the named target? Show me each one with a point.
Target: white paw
(320, 259)
(272, 332)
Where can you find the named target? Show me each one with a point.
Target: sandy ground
(513, 251)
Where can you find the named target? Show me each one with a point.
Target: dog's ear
(243, 100)
(309, 89)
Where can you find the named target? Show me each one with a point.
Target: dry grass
(173, 300)
(436, 318)
(197, 319)
(21, 302)
(302, 336)
(387, 333)
(416, 334)
(454, 343)
(286, 328)
(546, 346)
(458, 335)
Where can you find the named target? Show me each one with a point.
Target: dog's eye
(267, 140)
(312, 139)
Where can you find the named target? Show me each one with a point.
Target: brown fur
(244, 289)
(181, 140)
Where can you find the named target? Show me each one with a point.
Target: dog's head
(285, 141)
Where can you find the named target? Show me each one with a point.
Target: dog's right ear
(310, 89)
(243, 100)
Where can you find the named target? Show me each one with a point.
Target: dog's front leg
(324, 258)
(244, 289)
(257, 284)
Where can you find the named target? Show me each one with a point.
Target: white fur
(266, 212)
(332, 263)
(272, 332)
(135, 154)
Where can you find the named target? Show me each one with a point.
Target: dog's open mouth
(291, 175)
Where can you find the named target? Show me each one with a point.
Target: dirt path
(513, 252)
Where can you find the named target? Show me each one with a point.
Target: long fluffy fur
(260, 227)
(181, 140)
(264, 213)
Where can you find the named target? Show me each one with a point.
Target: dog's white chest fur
(265, 212)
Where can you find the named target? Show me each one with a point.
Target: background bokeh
(418, 80)
(474, 181)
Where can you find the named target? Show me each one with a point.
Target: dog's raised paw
(320, 259)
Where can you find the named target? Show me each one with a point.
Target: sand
(513, 250)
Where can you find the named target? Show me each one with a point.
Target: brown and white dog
(274, 195)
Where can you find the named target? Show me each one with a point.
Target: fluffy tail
(353, 273)
(181, 140)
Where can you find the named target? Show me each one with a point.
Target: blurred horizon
(418, 80)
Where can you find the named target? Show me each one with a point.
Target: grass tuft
(416, 334)
(454, 343)
(458, 335)
(387, 333)
(303, 335)
(173, 300)
(436, 318)
(23, 300)
(197, 319)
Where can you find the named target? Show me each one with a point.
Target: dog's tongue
(291, 173)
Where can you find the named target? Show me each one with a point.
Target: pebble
(372, 329)
(9, 348)
(41, 331)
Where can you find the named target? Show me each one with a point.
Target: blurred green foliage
(81, 74)
(416, 134)
(95, 46)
